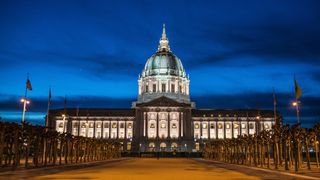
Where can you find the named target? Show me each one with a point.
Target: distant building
(163, 118)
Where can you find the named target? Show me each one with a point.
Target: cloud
(310, 108)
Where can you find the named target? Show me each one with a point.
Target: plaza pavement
(151, 169)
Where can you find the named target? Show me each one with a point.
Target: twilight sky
(93, 51)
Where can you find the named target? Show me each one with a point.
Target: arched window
(174, 146)
(163, 146)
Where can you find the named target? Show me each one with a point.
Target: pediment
(164, 102)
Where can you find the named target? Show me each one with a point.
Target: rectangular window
(129, 125)
(106, 125)
(243, 126)
(204, 126)
(147, 88)
(163, 87)
(196, 126)
(121, 125)
(228, 126)
(212, 126)
(180, 89)
(154, 88)
(172, 88)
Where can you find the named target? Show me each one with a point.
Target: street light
(296, 104)
(25, 102)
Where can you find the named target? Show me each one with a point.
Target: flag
(29, 86)
(297, 89)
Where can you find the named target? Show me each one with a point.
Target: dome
(163, 75)
(164, 63)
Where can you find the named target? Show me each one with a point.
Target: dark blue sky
(93, 51)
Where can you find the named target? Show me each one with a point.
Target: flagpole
(47, 119)
(24, 102)
(275, 108)
(298, 93)
(298, 110)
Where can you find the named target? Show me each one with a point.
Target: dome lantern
(164, 42)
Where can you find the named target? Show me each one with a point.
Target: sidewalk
(304, 174)
(26, 173)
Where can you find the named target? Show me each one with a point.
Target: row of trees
(285, 146)
(36, 146)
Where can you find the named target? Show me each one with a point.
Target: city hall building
(163, 118)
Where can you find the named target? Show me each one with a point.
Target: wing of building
(163, 118)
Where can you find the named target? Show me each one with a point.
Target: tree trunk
(307, 153)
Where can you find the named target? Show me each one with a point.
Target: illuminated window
(220, 126)
(228, 126)
(98, 125)
(83, 125)
(163, 87)
(212, 126)
(243, 126)
(196, 126)
(129, 125)
(152, 125)
(197, 146)
(114, 125)
(163, 125)
(266, 126)
(129, 135)
(236, 125)
(91, 125)
(128, 146)
(204, 126)
(121, 135)
(174, 126)
(121, 125)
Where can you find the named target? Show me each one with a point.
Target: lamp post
(25, 102)
(296, 104)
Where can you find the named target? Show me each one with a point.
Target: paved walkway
(149, 168)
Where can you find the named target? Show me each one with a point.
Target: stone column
(157, 125)
(216, 128)
(94, 128)
(125, 129)
(109, 130)
(168, 124)
(209, 129)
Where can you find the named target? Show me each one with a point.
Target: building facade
(163, 118)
